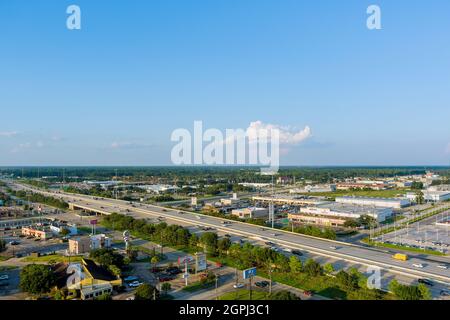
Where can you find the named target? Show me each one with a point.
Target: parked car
(238, 286)
(262, 284)
(135, 284)
(4, 277)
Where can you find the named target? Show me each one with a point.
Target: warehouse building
(395, 203)
(431, 196)
(251, 213)
(348, 211)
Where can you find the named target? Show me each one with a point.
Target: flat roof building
(431, 196)
(348, 211)
(251, 213)
(395, 203)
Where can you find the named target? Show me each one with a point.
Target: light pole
(217, 284)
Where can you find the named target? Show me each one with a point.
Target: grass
(244, 295)
(3, 258)
(395, 246)
(52, 257)
(7, 268)
(196, 286)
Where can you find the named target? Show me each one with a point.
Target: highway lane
(333, 249)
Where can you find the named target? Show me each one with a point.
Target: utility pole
(217, 284)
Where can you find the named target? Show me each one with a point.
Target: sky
(113, 92)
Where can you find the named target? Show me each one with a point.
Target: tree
(36, 279)
(405, 292)
(146, 292)
(166, 287)
(284, 295)
(223, 245)
(424, 291)
(209, 240)
(295, 264)
(347, 280)
(154, 261)
(328, 268)
(352, 223)
(313, 268)
(106, 257)
(420, 198)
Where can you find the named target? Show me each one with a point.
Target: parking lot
(9, 285)
(426, 234)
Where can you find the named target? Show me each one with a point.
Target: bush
(146, 292)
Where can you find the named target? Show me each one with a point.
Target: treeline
(214, 175)
(38, 198)
(326, 233)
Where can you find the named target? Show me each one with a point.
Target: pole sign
(93, 222)
(249, 273)
(200, 262)
(186, 259)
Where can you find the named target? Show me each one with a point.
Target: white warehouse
(342, 210)
(395, 203)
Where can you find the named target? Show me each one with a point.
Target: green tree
(420, 198)
(223, 245)
(209, 241)
(64, 232)
(166, 287)
(424, 291)
(36, 279)
(146, 292)
(328, 268)
(313, 268)
(295, 264)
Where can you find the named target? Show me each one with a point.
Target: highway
(332, 249)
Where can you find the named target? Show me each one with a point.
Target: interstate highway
(345, 251)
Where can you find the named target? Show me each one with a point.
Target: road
(333, 249)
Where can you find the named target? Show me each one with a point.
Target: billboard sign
(249, 273)
(200, 262)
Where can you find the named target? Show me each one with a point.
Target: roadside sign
(249, 273)
(200, 262)
(186, 259)
(93, 222)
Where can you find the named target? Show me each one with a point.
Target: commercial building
(297, 218)
(290, 200)
(362, 185)
(430, 196)
(100, 241)
(347, 211)
(251, 213)
(314, 189)
(39, 232)
(94, 280)
(56, 228)
(395, 203)
(79, 246)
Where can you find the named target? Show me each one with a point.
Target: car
(262, 284)
(442, 266)
(14, 243)
(268, 243)
(274, 249)
(131, 279)
(180, 212)
(287, 250)
(238, 286)
(308, 293)
(4, 277)
(227, 236)
(426, 282)
(130, 298)
(417, 265)
(173, 270)
(333, 248)
(274, 234)
(134, 284)
(445, 293)
(165, 277)
(297, 252)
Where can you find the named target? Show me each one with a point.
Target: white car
(238, 286)
(442, 266)
(333, 248)
(4, 277)
(135, 284)
(418, 265)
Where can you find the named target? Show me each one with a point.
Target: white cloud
(288, 135)
(8, 134)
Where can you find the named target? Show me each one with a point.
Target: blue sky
(112, 92)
